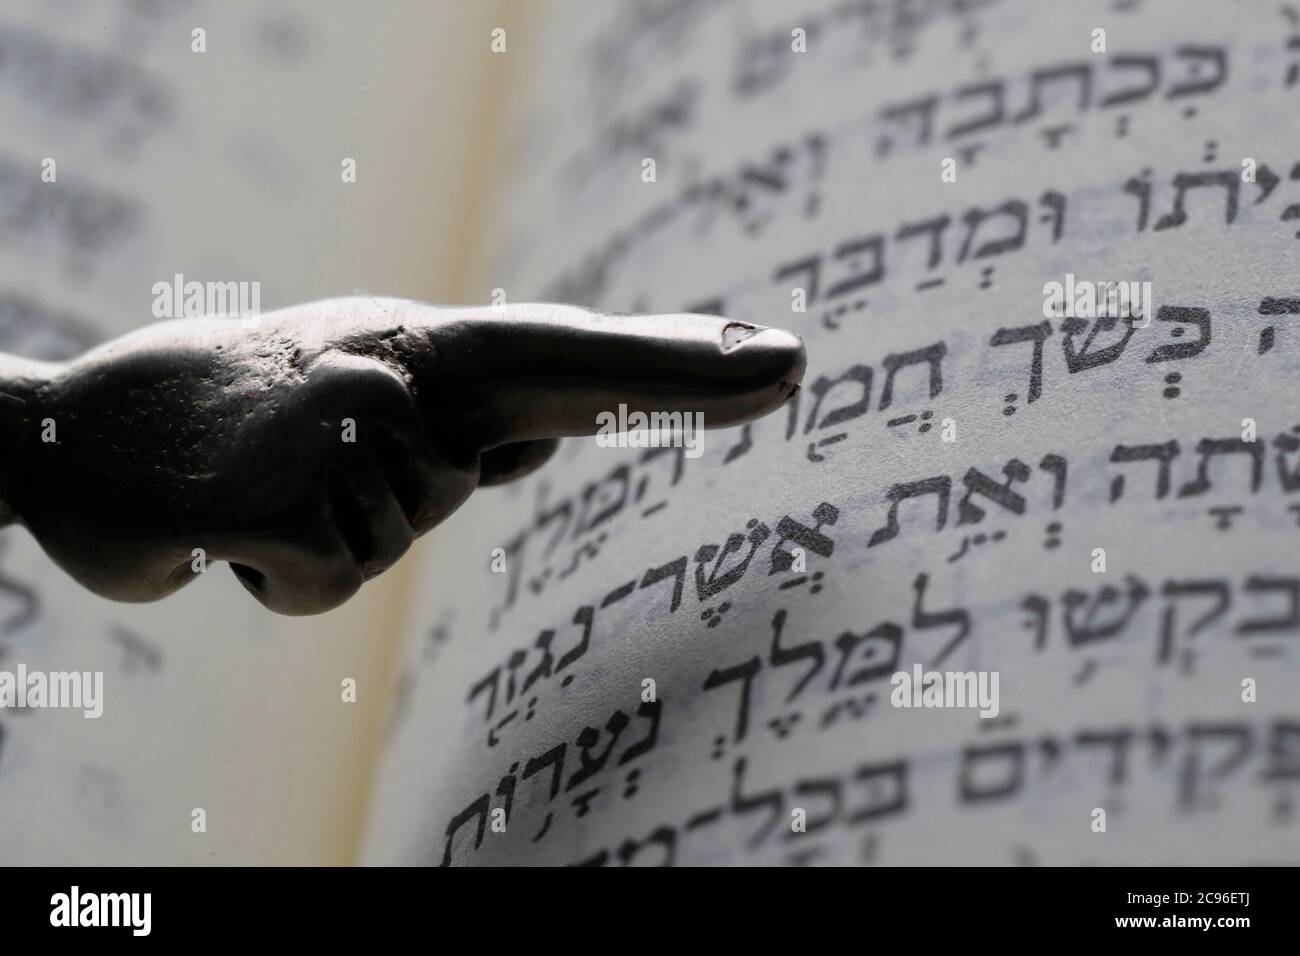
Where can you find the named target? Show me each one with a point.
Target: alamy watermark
(132, 911)
(651, 430)
(1084, 299)
(949, 689)
(181, 299)
(65, 690)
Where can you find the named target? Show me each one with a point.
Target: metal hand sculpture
(309, 450)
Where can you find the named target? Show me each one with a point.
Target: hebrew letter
(1028, 333)
(614, 500)
(677, 457)
(1056, 203)
(514, 566)
(1085, 628)
(1140, 187)
(744, 673)
(992, 116)
(857, 377)
(489, 684)
(506, 789)
(858, 276)
(1038, 606)
(1238, 740)
(935, 227)
(885, 786)
(976, 787)
(940, 485)
(1207, 448)
(1057, 466)
(931, 355)
(588, 737)
(719, 580)
(652, 710)
(1017, 209)
(811, 265)
(1040, 79)
(1162, 453)
(478, 808)
(563, 510)
(780, 656)
(1288, 475)
(673, 569)
(1140, 91)
(513, 663)
(585, 615)
(1220, 596)
(1086, 358)
(1273, 306)
(743, 444)
(902, 113)
(553, 758)
(1228, 179)
(742, 804)
(881, 646)
(1218, 58)
(1289, 621)
(924, 620)
(543, 644)
(977, 482)
(810, 539)
(828, 787)
(1283, 751)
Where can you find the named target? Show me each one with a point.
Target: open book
(634, 656)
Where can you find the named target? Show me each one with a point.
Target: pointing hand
(310, 450)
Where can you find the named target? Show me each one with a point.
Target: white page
(223, 165)
(1120, 690)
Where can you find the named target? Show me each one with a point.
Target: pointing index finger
(532, 371)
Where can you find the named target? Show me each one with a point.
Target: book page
(217, 156)
(1015, 577)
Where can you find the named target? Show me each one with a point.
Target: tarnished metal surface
(310, 447)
